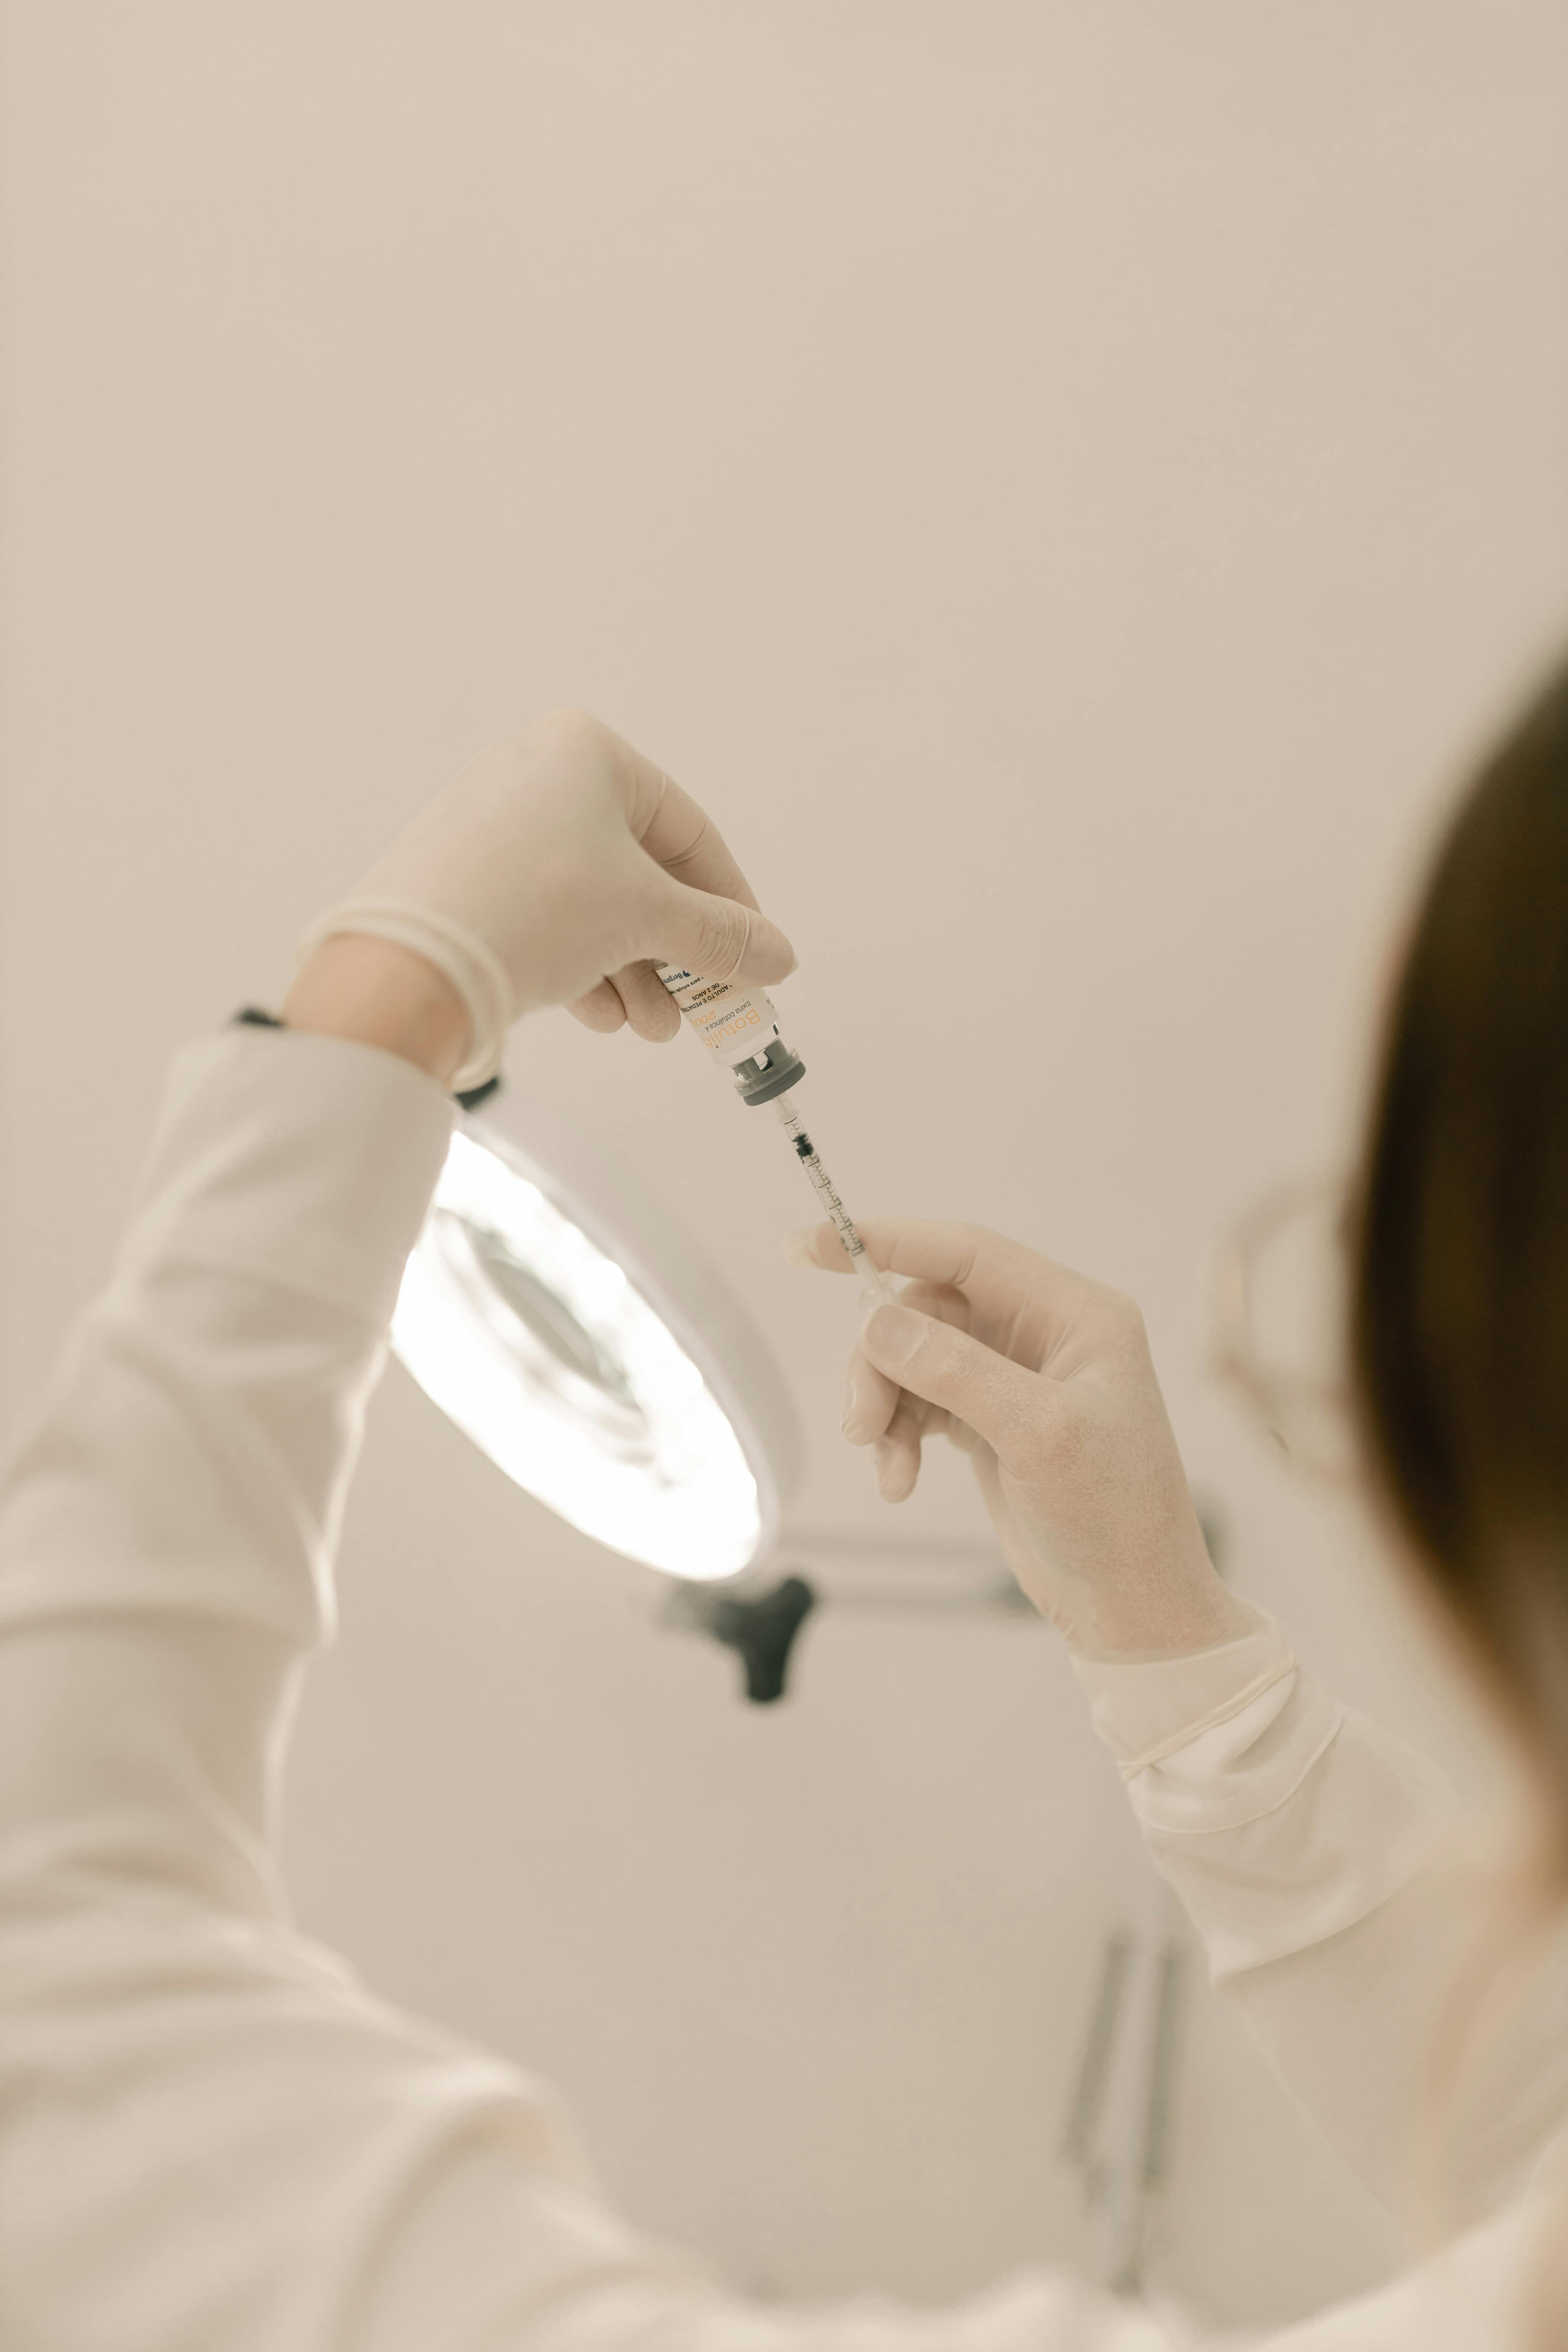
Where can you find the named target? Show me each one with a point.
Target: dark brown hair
(1459, 1313)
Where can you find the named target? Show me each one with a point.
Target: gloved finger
(720, 937)
(601, 1009)
(872, 1402)
(1011, 1407)
(684, 839)
(930, 1299)
(819, 1247)
(898, 1450)
(689, 854)
(651, 1010)
(898, 1468)
(998, 1277)
(872, 1399)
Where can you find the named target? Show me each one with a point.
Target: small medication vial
(740, 1030)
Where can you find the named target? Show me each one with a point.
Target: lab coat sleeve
(211, 2134)
(1314, 1854)
(212, 2137)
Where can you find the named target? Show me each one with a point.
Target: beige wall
(1065, 483)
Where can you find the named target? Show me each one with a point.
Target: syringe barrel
(740, 1030)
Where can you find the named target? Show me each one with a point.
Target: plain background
(1069, 486)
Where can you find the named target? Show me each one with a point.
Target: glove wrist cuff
(472, 967)
(1145, 1711)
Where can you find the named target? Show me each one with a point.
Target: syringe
(741, 1031)
(880, 1284)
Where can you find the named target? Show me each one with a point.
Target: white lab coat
(211, 2135)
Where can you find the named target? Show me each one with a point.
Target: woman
(210, 2135)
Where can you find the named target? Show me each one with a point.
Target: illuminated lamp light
(590, 1351)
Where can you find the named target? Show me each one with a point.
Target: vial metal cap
(762, 1076)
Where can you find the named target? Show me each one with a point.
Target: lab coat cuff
(1355, 1815)
(304, 1160)
(1246, 1765)
(1146, 1709)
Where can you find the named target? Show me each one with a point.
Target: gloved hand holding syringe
(740, 1030)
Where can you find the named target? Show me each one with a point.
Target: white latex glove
(561, 869)
(1044, 1379)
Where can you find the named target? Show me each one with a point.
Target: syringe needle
(880, 1286)
(740, 1030)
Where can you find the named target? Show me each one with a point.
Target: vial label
(732, 1022)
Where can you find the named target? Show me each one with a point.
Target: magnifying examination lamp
(575, 1333)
